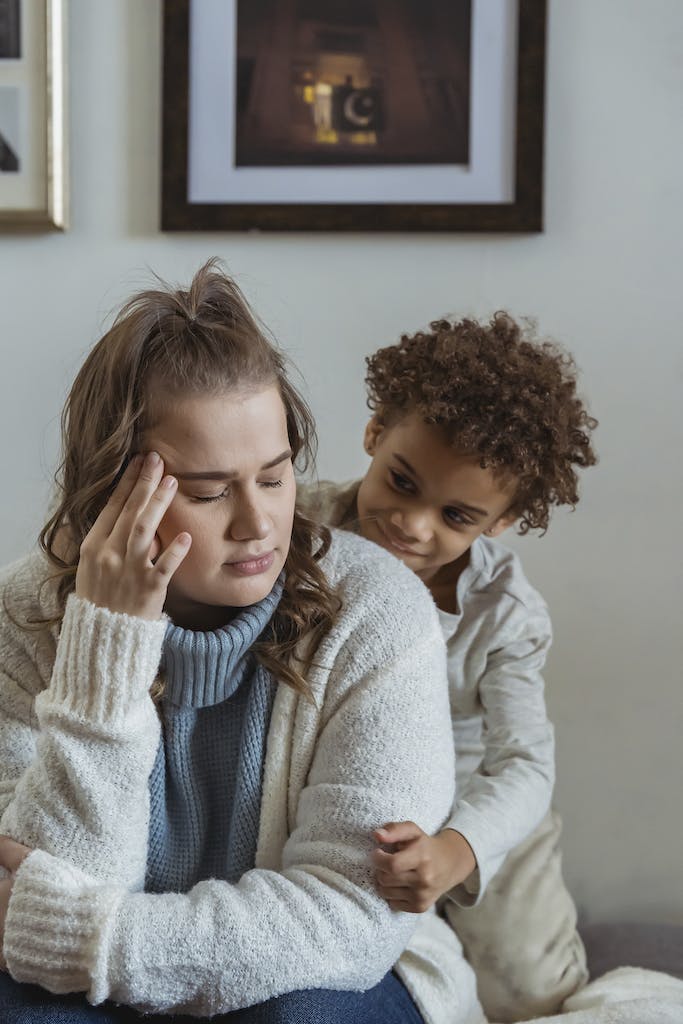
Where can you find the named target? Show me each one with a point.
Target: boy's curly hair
(499, 393)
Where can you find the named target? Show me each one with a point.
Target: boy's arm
(507, 796)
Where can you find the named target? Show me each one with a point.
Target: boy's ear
(373, 432)
(499, 526)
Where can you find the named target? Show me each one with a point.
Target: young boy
(476, 427)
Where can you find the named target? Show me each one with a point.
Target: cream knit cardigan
(78, 736)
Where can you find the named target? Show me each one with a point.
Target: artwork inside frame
(33, 190)
(423, 115)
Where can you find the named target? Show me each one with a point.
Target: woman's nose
(249, 521)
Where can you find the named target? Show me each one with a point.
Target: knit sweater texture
(79, 735)
(205, 787)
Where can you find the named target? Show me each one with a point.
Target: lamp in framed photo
(360, 115)
(32, 115)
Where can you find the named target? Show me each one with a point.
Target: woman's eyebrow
(229, 474)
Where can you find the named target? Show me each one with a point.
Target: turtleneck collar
(205, 668)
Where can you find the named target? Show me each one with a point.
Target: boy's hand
(419, 868)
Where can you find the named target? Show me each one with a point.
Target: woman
(207, 705)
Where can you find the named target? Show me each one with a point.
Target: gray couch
(658, 947)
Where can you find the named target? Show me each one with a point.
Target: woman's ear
(373, 432)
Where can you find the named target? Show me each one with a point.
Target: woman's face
(236, 492)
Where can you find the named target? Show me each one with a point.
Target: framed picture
(357, 115)
(32, 115)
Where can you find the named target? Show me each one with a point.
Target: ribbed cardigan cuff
(56, 923)
(105, 662)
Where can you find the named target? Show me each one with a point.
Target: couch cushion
(658, 947)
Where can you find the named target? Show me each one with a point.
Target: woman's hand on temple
(419, 868)
(121, 566)
(11, 856)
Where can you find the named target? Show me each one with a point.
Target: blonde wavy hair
(172, 342)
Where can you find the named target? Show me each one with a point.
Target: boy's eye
(455, 517)
(401, 482)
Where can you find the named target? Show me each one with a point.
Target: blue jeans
(386, 1003)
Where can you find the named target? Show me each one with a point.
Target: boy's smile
(426, 503)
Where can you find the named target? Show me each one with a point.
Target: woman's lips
(253, 566)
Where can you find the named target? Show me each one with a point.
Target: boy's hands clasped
(121, 566)
(420, 867)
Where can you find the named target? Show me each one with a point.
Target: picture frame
(33, 150)
(198, 141)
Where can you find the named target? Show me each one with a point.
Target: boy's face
(424, 502)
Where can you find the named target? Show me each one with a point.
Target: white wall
(606, 278)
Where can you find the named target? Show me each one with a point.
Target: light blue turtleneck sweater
(205, 787)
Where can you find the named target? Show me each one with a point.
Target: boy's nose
(414, 525)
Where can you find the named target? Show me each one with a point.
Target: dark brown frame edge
(524, 214)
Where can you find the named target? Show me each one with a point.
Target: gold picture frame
(33, 137)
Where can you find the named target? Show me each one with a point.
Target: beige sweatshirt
(496, 647)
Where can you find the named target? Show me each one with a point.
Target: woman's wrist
(106, 662)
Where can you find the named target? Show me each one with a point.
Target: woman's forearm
(215, 949)
(83, 793)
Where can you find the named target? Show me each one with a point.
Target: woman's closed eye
(210, 497)
(205, 498)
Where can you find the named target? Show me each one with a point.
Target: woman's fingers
(140, 542)
(130, 519)
(169, 560)
(136, 504)
(5, 893)
(12, 853)
(126, 569)
(109, 515)
(155, 549)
